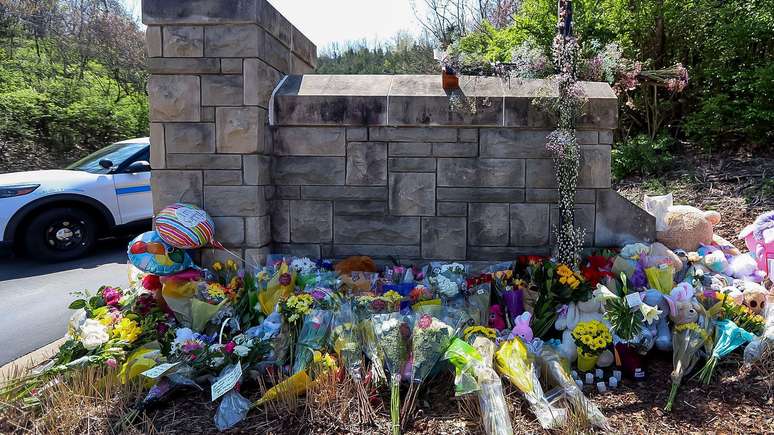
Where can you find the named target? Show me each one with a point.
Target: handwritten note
(633, 300)
(159, 370)
(226, 382)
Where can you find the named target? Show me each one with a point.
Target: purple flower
(111, 296)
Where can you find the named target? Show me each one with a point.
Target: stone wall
(213, 65)
(381, 166)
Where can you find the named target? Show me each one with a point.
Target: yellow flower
(563, 270)
(127, 330)
(231, 264)
(587, 340)
(217, 266)
(563, 280)
(392, 296)
(600, 343)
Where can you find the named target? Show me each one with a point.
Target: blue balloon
(151, 254)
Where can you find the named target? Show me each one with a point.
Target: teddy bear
(660, 328)
(684, 227)
(683, 306)
(575, 313)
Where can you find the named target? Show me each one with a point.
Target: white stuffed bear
(566, 322)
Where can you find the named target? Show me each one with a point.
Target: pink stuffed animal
(759, 238)
(496, 319)
(521, 327)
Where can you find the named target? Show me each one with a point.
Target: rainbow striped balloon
(185, 226)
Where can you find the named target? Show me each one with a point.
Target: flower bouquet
(728, 337)
(479, 293)
(515, 363)
(391, 333)
(475, 373)
(446, 280)
(292, 310)
(314, 333)
(687, 339)
(591, 338)
(432, 331)
(346, 343)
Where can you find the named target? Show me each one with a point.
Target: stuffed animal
(681, 226)
(660, 328)
(360, 263)
(496, 319)
(759, 238)
(683, 307)
(569, 319)
(521, 327)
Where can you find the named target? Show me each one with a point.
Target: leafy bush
(642, 155)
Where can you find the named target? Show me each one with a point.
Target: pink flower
(111, 296)
(111, 362)
(229, 347)
(425, 321)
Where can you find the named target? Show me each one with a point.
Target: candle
(574, 374)
(617, 374)
(601, 387)
(599, 374)
(589, 378)
(579, 383)
(613, 382)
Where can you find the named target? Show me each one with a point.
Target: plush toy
(660, 328)
(521, 327)
(360, 263)
(569, 319)
(754, 295)
(683, 307)
(759, 238)
(496, 319)
(681, 226)
(744, 267)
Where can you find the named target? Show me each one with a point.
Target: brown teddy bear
(684, 227)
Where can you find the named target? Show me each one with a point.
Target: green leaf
(96, 302)
(77, 304)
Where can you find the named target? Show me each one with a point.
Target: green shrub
(643, 156)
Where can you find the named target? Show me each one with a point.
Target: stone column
(213, 65)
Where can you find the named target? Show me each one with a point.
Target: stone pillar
(213, 65)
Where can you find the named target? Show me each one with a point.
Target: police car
(57, 215)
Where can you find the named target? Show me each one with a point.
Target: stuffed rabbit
(567, 321)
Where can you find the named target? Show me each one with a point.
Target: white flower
(93, 334)
(650, 313)
(447, 287)
(602, 293)
(182, 335)
(241, 351)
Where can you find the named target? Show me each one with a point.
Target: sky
(327, 21)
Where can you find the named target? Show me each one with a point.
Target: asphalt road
(34, 296)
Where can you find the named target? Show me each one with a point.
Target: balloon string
(235, 255)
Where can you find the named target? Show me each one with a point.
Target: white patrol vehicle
(58, 215)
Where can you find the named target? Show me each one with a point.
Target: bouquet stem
(705, 375)
(671, 399)
(395, 403)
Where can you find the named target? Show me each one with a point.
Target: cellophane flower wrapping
(479, 296)
(392, 332)
(514, 361)
(474, 374)
(433, 329)
(661, 278)
(314, 333)
(551, 362)
(687, 339)
(728, 337)
(346, 341)
(755, 348)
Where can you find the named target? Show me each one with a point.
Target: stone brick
(503, 253)
(203, 161)
(596, 161)
(310, 141)
(298, 66)
(343, 192)
(257, 230)
(444, 238)
(231, 66)
(276, 24)
(153, 41)
(480, 172)
(288, 192)
(529, 224)
(582, 196)
(257, 169)
(468, 135)
(455, 149)
(587, 137)
(275, 53)
(311, 221)
(409, 134)
(183, 41)
(222, 90)
(235, 201)
(360, 207)
(210, 256)
(297, 249)
(197, 65)
(480, 194)
(367, 163)
(488, 224)
(387, 230)
(412, 194)
(513, 143)
(304, 48)
(258, 256)
(606, 137)
(199, 12)
(240, 129)
(158, 150)
(244, 40)
(619, 222)
(402, 252)
(406, 149)
(259, 82)
(174, 98)
(412, 164)
(223, 178)
(584, 218)
(308, 170)
(176, 186)
(190, 137)
(452, 208)
(540, 174)
(270, 192)
(357, 134)
(280, 221)
(208, 114)
(231, 230)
